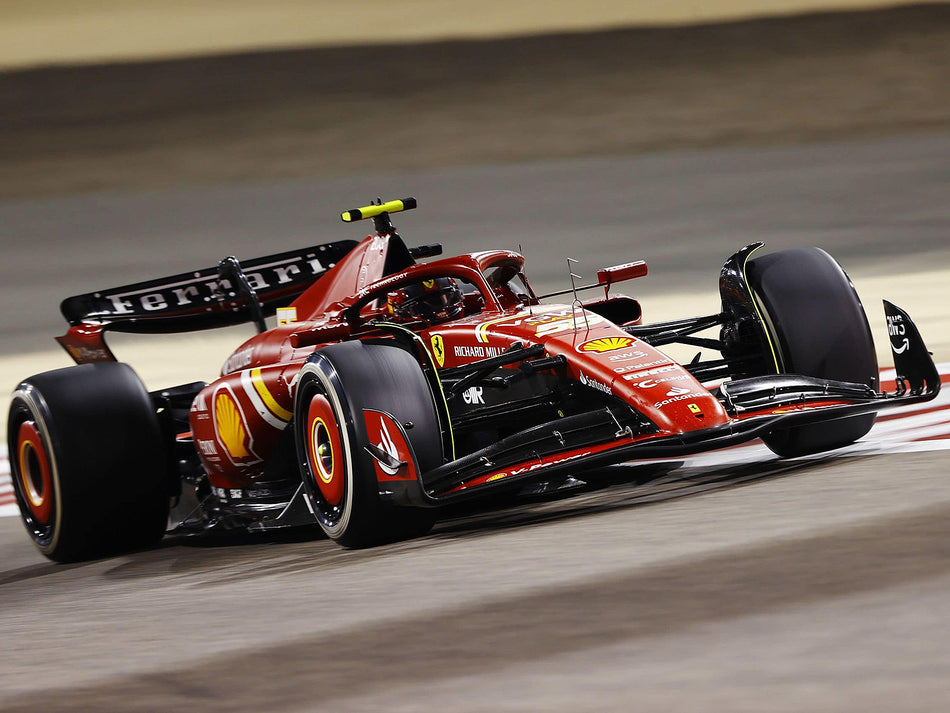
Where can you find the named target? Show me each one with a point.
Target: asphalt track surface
(762, 586)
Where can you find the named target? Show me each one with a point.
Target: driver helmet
(430, 301)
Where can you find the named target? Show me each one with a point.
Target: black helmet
(430, 301)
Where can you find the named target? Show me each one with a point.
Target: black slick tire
(817, 327)
(87, 462)
(335, 387)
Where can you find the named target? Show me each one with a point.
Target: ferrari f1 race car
(393, 384)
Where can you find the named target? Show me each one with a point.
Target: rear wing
(197, 300)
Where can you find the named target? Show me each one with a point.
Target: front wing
(757, 405)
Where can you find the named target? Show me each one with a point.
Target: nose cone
(644, 377)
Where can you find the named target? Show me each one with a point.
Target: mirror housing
(619, 273)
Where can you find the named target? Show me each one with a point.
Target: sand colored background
(78, 31)
(816, 585)
(325, 112)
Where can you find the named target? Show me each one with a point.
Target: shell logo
(230, 426)
(605, 344)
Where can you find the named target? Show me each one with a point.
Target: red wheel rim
(36, 477)
(325, 450)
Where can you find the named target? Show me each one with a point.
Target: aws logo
(605, 344)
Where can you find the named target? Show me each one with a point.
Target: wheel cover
(325, 451)
(34, 473)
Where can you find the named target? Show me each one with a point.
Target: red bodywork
(391, 389)
(237, 420)
(594, 364)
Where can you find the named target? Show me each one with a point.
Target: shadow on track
(477, 639)
(221, 557)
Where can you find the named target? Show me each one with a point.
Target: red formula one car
(390, 387)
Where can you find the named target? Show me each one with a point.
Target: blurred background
(139, 139)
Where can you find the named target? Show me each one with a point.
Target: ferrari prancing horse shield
(438, 349)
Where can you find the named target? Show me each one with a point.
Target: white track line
(901, 432)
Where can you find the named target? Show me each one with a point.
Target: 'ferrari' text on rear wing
(191, 301)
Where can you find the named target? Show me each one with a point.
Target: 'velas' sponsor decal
(438, 349)
(607, 344)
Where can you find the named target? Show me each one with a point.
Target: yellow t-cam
(371, 211)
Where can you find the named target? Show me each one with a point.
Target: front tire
(87, 462)
(335, 386)
(817, 327)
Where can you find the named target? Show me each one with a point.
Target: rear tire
(335, 386)
(87, 462)
(817, 327)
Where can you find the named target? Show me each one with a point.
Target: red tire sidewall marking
(40, 502)
(322, 430)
